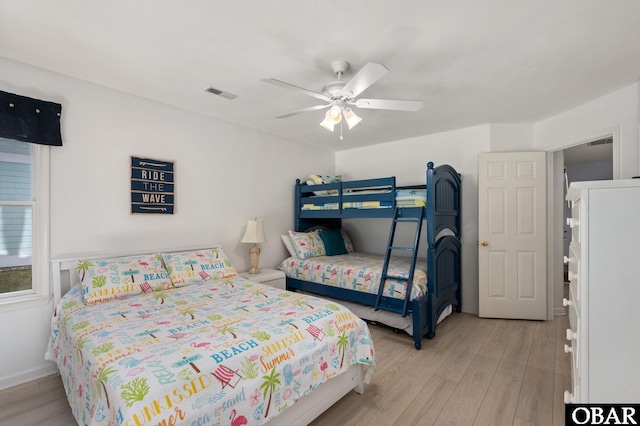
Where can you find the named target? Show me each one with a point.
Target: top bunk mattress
(404, 198)
(359, 272)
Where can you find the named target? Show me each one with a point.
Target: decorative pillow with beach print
(114, 278)
(347, 242)
(197, 266)
(307, 244)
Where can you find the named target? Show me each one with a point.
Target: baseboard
(470, 309)
(27, 376)
(559, 311)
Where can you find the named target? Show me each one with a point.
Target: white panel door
(512, 233)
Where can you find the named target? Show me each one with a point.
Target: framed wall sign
(152, 186)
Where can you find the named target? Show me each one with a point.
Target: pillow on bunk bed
(347, 241)
(333, 242)
(198, 266)
(307, 244)
(322, 179)
(287, 243)
(114, 278)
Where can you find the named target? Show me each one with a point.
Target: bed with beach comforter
(221, 351)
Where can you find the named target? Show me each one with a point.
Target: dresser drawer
(573, 347)
(575, 378)
(574, 311)
(574, 220)
(574, 272)
(574, 295)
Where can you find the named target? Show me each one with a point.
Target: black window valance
(29, 120)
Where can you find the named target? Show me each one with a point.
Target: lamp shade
(254, 233)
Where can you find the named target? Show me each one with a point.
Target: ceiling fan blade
(294, 87)
(364, 78)
(391, 104)
(300, 111)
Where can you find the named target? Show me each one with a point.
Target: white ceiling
(471, 62)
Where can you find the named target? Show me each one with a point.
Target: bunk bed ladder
(417, 218)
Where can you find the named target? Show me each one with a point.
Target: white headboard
(66, 276)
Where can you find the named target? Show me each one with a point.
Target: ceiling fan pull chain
(341, 130)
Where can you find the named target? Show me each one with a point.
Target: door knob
(484, 243)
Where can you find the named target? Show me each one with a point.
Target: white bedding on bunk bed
(214, 349)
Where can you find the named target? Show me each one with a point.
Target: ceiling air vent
(222, 93)
(601, 142)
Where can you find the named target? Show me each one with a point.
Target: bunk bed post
(432, 288)
(297, 206)
(431, 205)
(458, 268)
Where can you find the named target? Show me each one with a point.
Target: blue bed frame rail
(442, 212)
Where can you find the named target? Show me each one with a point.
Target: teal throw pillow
(333, 242)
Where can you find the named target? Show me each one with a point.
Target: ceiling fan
(340, 96)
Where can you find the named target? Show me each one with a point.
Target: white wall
(508, 137)
(614, 114)
(407, 160)
(225, 175)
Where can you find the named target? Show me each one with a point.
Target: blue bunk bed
(325, 205)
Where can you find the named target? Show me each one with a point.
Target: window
(23, 222)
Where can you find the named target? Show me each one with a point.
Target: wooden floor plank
(516, 355)
(543, 346)
(463, 405)
(427, 405)
(535, 404)
(500, 402)
(457, 364)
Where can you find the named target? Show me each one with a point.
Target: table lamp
(254, 234)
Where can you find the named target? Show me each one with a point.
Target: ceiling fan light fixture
(334, 114)
(351, 118)
(327, 124)
(332, 117)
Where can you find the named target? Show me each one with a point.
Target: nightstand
(269, 277)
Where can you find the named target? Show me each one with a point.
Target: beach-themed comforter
(218, 353)
(358, 271)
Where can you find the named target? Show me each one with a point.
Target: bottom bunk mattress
(389, 319)
(199, 354)
(360, 272)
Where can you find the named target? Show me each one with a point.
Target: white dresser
(604, 297)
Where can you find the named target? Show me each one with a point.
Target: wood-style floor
(475, 372)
